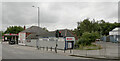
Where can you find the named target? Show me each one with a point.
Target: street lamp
(38, 26)
(38, 14)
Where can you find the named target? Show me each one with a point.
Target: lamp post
(38, 9)
(38, 26)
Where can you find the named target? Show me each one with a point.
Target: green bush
(87, 38)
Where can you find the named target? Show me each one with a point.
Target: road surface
(23, 52)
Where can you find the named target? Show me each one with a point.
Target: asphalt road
(23, 52)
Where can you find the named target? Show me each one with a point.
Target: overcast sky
(57, 15)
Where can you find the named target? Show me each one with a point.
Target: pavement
(109, 51)
(25, 52)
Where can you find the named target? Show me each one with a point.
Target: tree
(84, 26)
(14, 29)
(107, 27)
(87, 30)
(102, 27)
(87, 38)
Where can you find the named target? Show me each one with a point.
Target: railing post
(64, 50)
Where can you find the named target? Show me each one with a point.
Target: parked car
(12, 42)
(97, 39)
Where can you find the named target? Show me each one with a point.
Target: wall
(52, 43)
(115, 38)
(47, 42)
(22, 38)
(31, 42)
(118, 38)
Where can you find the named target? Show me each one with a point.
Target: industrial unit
(115, 35)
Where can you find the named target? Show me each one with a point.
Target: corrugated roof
(116, 29)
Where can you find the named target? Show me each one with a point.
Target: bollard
(37, 47)
(86, 52)
(47, 48)
(43, 48)
(51, 48)
(55, 49)
(40, 48)
(70, 50)
(64, 50)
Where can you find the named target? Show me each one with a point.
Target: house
(115, 35)
(37, 36)
(31, 33)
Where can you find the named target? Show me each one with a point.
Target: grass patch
(89, 47)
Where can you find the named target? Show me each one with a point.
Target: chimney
(24, 27)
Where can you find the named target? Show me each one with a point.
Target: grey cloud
(0, 10)
(14, 13)
(58, 15)
(61, 0)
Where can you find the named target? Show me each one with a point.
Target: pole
(38, 26)
(38, 16)
(56, 46)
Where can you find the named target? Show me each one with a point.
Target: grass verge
(89, 47)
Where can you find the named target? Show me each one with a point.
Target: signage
(70, 39)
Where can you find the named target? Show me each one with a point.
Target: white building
(115, 34)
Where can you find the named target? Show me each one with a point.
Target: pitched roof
(39, 32)
(65, 32)
(35, 36)
(34, 29)
(35, 32)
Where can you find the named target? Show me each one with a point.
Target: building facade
(115, 35)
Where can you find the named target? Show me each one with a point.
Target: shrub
(87, 38)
